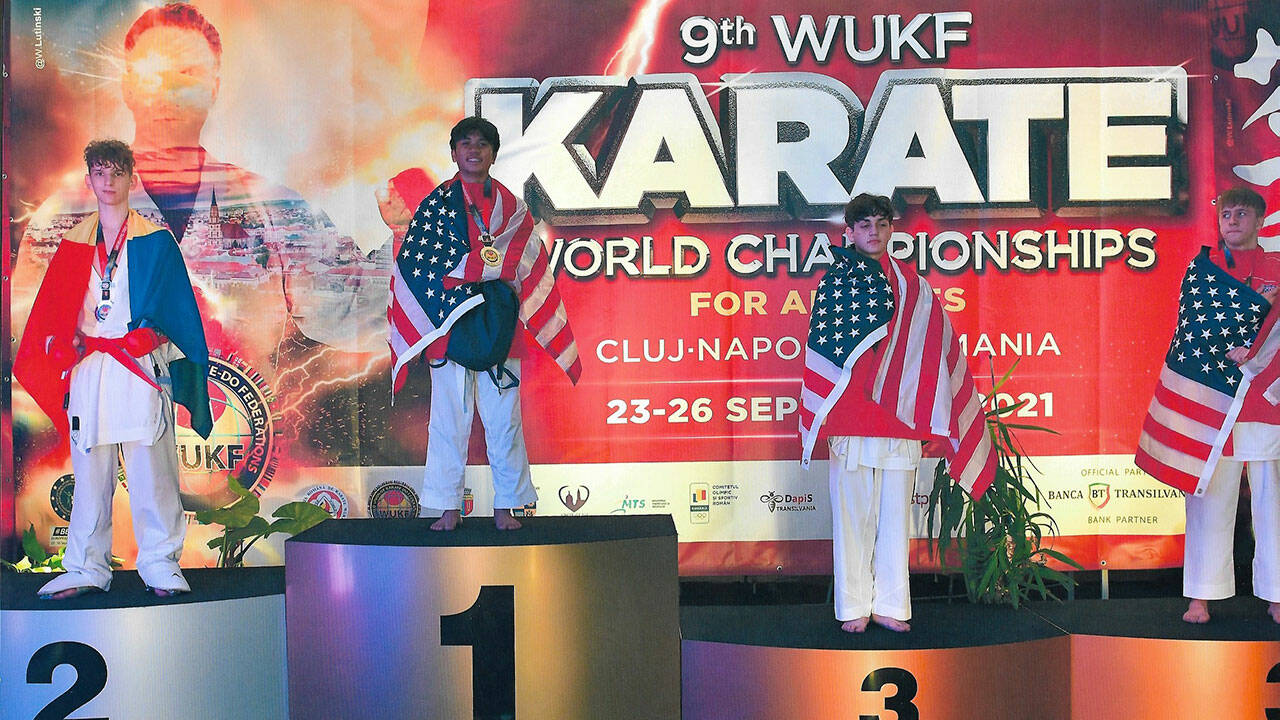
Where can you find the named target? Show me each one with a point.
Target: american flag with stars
(851, 313)
(1200, 391)
(432, 281)
(922, 376)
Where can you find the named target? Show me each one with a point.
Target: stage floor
(18, 590)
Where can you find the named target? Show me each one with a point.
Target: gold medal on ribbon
(491, 256)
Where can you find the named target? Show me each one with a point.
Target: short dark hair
(867, 205)
(108, 152)
(1241, 196)
(475, 123)
(179, 15)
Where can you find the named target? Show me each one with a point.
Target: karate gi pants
(159, 526)
(1208, 572)
(456, 393)
(870, 525)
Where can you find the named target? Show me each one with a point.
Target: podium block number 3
(900, 701)
(488, 627)
(91, 677)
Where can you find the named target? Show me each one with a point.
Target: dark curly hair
(867, 205)
(114, 153)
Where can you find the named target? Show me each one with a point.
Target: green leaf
(297, 516)
(32, 547)
(995, 386)
(1062, 558)
(235, 515)
(1037, 428)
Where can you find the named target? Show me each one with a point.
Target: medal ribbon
(486, 237)
(107, 263)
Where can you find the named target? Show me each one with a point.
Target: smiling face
(870, 235)
(110, 185)
(1239, 226)
(474, 156)
(170, 82)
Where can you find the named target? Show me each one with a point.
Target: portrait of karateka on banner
(276, 281)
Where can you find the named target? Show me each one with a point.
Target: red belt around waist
(115, 347)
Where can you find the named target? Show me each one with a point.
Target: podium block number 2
(488, 627)
(91, 677)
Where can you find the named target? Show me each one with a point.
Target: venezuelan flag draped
(160, 297)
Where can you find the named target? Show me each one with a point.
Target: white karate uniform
(455, 394)
(112, 412)
(1208, 570)
(871, 481)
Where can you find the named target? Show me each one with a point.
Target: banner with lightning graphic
(688, 162)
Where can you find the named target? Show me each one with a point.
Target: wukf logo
(574, 498)
(243, 443)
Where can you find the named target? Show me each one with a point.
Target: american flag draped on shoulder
(922, 376)
(1200, 391)
(431, 281)
(851, 313)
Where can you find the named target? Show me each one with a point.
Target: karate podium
(568, 617)
(1136, 658)
(958, 662)
(218, 652)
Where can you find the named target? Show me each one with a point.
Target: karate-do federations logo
(244, 441)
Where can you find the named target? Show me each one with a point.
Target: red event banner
(689, 162)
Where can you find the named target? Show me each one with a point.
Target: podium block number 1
(488, 627)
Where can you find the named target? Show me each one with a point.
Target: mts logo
(210, 457)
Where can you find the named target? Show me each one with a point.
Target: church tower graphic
(215, 222)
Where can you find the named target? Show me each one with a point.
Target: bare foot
(69, 593)
(1198, 612)
(855, 626)
(893, 624)
(448, 520)
(1273, 610)
(504, 520)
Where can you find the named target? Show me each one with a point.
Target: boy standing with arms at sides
(472, 229)
(884, 372)
(1208, 571)
(114, 339)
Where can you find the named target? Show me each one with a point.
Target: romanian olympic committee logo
(243, 444)
(328, 498)
(60, 495)
(574, 498)
(393, 499)
(1099, 495)
(699, 503)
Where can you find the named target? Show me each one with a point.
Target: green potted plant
(1001, 542)
(242, 526)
